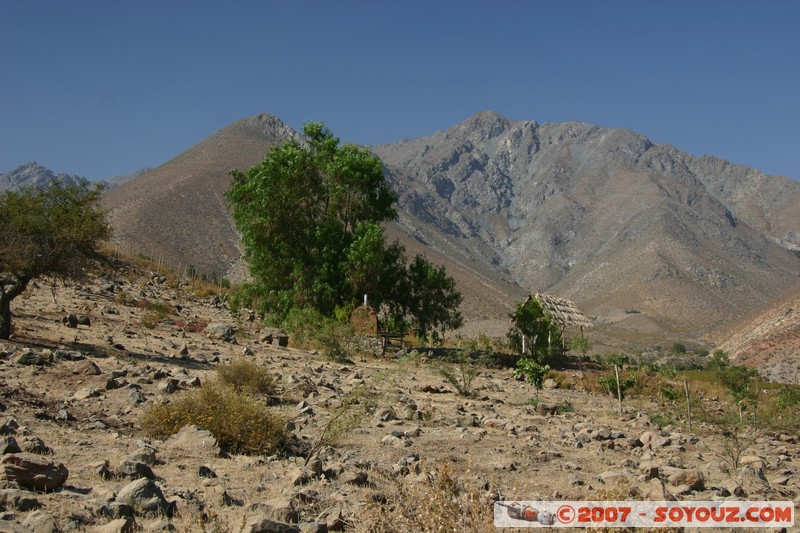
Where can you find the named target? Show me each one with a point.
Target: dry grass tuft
(247, 377)
(436, 503)
(240, 422)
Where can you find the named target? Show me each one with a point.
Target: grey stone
(145, 497)
(194, 440)
(132, 469)
(87, 368)
(263, 524)
(219, 331)
(39, 522)
(120, 525)
(116, 510)
(145, 454)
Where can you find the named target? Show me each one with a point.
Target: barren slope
(767, 340)
(178, 210)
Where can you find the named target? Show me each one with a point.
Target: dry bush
(438, 503)
(246, 376)
(240, 422)
(562, 378)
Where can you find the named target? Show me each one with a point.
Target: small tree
(53, 231)
(533, 331)
(533, 372)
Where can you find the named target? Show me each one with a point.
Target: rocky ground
(72, 398)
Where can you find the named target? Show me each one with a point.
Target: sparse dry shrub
(438, 503)
(561, 378)
(246, 376)
(149, 319)
(240, 422)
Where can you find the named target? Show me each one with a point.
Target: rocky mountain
(602, 216)
(35, 175)
(634, 232)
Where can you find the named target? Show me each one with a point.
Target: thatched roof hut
(563, 311)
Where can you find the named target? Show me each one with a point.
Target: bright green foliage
(533, 372)
(53, 231)
(310, 216)
(298, 210)
(581, 344)
(531, 322)
(609, 384)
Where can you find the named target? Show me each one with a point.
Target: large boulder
(33, 471)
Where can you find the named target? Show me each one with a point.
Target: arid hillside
(767, 340)
(413, 454)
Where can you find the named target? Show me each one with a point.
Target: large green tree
(310, 217)
(297, 211)
(53, 230)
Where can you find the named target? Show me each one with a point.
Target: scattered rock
(358, 477)
(30, 358)
(39, 522)
(86, 368)
(206, 472)
(120, 525)
(9, 445)
(281, 509)
(690, 477)
(195, 441)
(20, 500)
(32, 471)
(35, 445)
(132, 469)
(146, 454)
(7, 526)
(85, 394)
(263, 524)
(8, 426)
(145, 497)
(550, 383)
(220, 331)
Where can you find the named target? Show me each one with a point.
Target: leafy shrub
(609, 384)
(532, 371)
(669, 393)
(239, 422)
(788, 397)
(246, 376)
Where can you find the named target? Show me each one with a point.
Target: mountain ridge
(602, 216)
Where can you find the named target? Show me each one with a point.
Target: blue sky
(101, 88)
